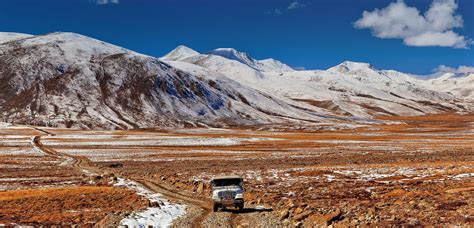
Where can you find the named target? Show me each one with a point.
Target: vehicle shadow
(247, 210)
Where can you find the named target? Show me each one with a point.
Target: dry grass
(416, 161)
(80, 205)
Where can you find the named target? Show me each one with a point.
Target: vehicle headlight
(215, 196)
(239, 194)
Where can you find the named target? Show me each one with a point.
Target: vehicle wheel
(216, 207)
(241, 207)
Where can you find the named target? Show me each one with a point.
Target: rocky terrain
(417, 172)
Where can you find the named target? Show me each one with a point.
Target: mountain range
(70, 80)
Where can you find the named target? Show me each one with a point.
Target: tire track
(43, 131)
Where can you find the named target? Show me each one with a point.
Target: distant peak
(232, 54)
(270, 60)
(348, 66)
(267, 65)
(351, 64)
(226, 50)
(179, 53)
(182, 47)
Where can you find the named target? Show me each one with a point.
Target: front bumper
(231, 202)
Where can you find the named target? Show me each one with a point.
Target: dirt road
(199, 209)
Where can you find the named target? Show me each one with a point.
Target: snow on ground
(106, 155)
(161, 216)
(150, 141)
(11, 36)
(462, 175)
(157, 141)
(9, 151)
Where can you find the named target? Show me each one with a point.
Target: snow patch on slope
(11, 36)
(266, 65)
(461, 86)
(269, 65)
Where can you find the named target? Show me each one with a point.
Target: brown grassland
(401, 171)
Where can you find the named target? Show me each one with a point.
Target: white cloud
(459, 70)
(433, 28)
(105, 2)
(443, 39)
(295, 5)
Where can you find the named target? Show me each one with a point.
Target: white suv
(227, 191)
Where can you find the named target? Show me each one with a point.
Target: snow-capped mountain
(459, 85)
(349, 67)
(180, 53)
(349, 89)
(266, 65)
(66, 79)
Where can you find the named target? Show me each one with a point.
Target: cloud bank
(433, 28)
(459, 70)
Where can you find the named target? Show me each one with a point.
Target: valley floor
(413, 171)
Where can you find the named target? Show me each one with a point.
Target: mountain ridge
(349, 87)
(71, 80)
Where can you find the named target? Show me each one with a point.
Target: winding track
(82, 163)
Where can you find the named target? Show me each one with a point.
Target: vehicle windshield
(227, 182)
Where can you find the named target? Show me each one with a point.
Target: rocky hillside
(69, 80)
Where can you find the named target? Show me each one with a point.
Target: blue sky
(314, 34)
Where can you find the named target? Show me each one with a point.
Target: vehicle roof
(226, 177)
